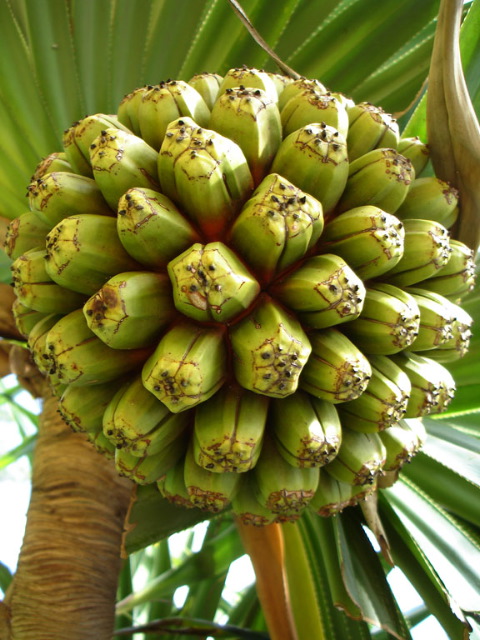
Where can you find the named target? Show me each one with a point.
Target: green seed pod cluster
(241, 290)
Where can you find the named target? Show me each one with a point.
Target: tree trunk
(65, 584)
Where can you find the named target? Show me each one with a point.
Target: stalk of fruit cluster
(276, 227)
(336, 371)
(306, 430)
(151, 228)
(228, 430)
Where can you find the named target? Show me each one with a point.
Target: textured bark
(66, 580)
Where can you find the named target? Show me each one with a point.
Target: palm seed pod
(234, 313)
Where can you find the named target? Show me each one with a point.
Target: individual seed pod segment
(370, 128)
(336, 371)
(61, 194)
(210, 283)
(433, 386)
(205, 173)
(208, 491)
(380, 178)
(331, 496)
(78, 357)
(37, 341)
(173, 488)
(78, 138)
(360, 459)
(120, 161)
(270, 350)
(247, 508)
(56, 161)
(457, 346)
(310, 106)
(416, 151)
(249, 78)
(280, 487)
(165, 102)
(128, 109)
(437, 316)
(251, 119)
(149, 468)
(324, 291)
(137, 421)
(430, 199)
(426, 250)
(130, 310)
(207, 85)
(187, 367)
(315, 158)
(35, 288)
(369, 239)
(151, 228)
(25, 317)
(84, 251)
(26, 232)
(401, 443)
(306, 430)
(457, 277)
(228, 431)
(84, 411)
(276, 227)
(384, 401)
(297, 87)
(389, 321)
